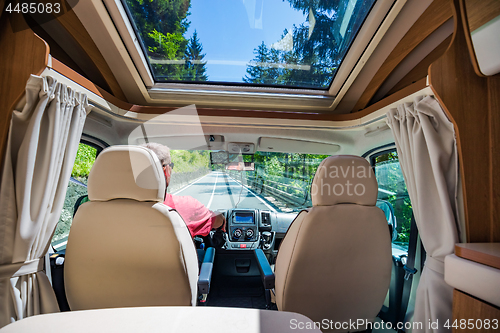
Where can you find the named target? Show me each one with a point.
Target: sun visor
(297, 146)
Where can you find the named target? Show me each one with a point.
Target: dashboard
(249, 229)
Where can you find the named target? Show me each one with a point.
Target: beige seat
(126, 248)
(335, 260)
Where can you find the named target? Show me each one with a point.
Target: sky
(230, 30)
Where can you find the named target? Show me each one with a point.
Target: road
(217, 190)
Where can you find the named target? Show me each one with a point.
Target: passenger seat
(334, 263)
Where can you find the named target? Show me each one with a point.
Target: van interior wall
(473, 104)
(23, 53)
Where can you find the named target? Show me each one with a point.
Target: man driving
(198, 218)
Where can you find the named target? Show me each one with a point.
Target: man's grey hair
(163, 152)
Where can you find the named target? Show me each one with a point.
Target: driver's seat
(126, 248)
(334, 263)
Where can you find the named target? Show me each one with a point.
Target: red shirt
(198, 218)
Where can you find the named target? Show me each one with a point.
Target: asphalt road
(218, 191)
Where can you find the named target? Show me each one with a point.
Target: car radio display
(244, 218)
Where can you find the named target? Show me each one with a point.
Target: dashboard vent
(266, 219)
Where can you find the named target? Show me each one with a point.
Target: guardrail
(269, 187)
(181, 179)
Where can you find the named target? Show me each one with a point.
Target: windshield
(280, 181)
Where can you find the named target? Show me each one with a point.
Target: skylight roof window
(281, 43)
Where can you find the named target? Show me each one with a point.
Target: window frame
(93, 142)
(370, 34)
(319, 90)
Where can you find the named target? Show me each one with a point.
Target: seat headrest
(127, 172)
(344, 179)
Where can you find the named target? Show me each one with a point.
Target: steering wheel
(216, 238)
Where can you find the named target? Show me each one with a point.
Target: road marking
(215, 186)
(255, 195)
(262, 200)
(189, 185)
(213, 192)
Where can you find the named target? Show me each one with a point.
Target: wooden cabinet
(467, 309)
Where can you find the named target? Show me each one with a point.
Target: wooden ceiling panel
(74, 27)
(420, 70)
(438, 12)
(480, 12)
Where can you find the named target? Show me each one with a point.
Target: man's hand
(219, 221)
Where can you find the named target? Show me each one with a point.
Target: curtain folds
(426, 144)
(41, 149)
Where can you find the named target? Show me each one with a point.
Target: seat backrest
(126, 248)
(335, 260)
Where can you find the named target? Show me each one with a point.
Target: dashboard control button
(237, 233)
(249, 233)
(243, 246)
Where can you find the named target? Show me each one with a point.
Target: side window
(393, 196)
(77, 190)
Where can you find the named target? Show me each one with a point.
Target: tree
(318, 48)
(85, 158)
(269, 65)
(257, 71)
(195, 67)
(161, 25)
(390, 177)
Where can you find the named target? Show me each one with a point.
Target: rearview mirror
(237, 162)
(240, 166)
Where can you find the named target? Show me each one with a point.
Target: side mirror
(388, 210)
(81, 200)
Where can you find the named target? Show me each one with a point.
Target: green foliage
(390, 178)
(274, 167)
(162, 25)
(85, 158)
(292, 166)
(391, 156)
(288, 172)
(190, 160)
(167, 44)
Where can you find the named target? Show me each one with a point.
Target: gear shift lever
(266, 235)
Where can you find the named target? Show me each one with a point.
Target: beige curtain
(41, 149)
(426, 145)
